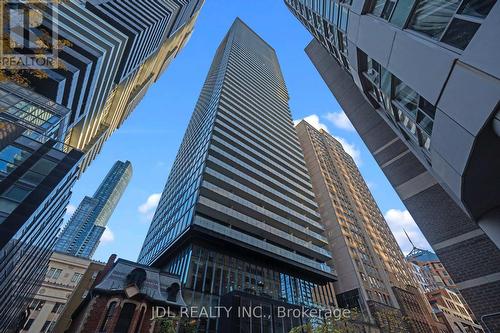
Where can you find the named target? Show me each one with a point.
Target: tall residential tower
(373, 275)
(420, 82)
(81, 235)
(238, 212)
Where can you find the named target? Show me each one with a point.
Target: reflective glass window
(16, 193)
(32, 178)
(11, 156)
(7, 206)
(432, 16)
(407, 97)
(477, 8)
(460, 33)
(389, 7)
(401, 12)
(378, 7)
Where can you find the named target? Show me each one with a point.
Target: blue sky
(152, 134)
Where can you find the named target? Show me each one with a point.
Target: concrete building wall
(63, 276)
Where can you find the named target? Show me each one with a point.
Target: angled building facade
(113, 51)
(81, 235)
(237, 212)
(373, 275)
(408, 74)
(37, 172)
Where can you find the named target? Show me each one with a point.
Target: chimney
(105, 270)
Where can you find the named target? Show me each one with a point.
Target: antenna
(409, 238)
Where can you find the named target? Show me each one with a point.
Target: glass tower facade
(115, 51)
(81, 235)
(37, 172)
(238, 211)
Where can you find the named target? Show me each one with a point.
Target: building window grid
(213, 273)
(409, 111)
(332, 32)
(454, 28)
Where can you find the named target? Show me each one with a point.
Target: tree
(351, 324)
(175, 325)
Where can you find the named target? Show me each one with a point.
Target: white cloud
(148, 208)
(340, 120)
(70, 210)
(107, 236)
(314, 121)
(400, 221)
(351, 149)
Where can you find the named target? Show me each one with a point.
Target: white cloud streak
(340, 120)
(147, 209)
(107, 236)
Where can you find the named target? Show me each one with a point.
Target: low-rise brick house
(122, 301)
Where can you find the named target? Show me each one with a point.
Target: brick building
(432, 269)
(87, 281)
(415, 309)
(450, 309)
(122, 300)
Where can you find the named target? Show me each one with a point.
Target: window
(378, 7)
(453, 22)
(394, 11)
(7, 206)
(11, 156)
(125, 319)
(57, 308)
(404, 106)
(28, 324)
(432, 16)
(50, 272)
(76, 277)
(53, 273)
(37, 305)
(32, 178)
(401, 13)
(45, 326)
(57, 274)
(460, 33)
(43, 166)
(109, 314)
(16, 193)
(476, 8)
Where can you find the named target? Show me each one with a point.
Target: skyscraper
(370, 266)
(238, 212)
(81, 235)
(37, 172)
(408, 75)
(115, 50)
